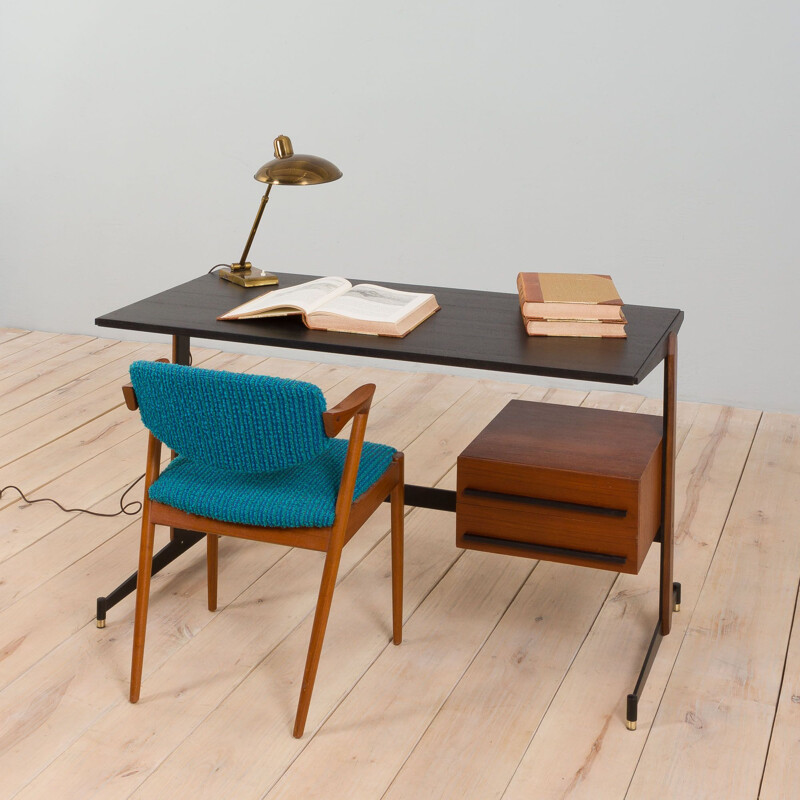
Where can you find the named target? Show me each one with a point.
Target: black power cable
(124, 508)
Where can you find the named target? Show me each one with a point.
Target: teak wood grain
(574, 485)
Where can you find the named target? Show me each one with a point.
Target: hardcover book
(595, 329)
(565, 296)
(335, 304)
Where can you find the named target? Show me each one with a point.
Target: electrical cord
(216, 266)
(124, 508)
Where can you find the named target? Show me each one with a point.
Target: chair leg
(212, 564)
(398, 498)
(142, 600)
(328, 584)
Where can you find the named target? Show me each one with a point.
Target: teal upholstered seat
(252, 449)
(303, 496)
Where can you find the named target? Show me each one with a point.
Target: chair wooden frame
(349, 517)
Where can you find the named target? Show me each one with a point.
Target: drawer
(580, 486)
(553, 530)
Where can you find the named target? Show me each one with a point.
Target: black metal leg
(180, 540)
(429, 497)
(633, 698)
(166, 555)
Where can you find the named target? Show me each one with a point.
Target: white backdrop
(654, 141)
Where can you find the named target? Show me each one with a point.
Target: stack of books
(565, 304)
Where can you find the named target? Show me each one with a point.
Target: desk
(473, 329)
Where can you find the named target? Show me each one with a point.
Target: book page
(305, 296)
(374, 303)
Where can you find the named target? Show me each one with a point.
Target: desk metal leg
(633, 699)
(669, 596)
(179, 540)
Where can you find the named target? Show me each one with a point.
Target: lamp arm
(243, 260)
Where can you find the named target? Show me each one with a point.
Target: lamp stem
(243, 260)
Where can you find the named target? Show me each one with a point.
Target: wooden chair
(251, 448)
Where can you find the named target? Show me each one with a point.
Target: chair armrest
(357, 402)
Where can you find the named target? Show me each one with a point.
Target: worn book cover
(564, 295)
(594, 329)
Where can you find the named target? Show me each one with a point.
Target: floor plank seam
(577, 652)
(310, 738)
(780, 689)
(75, 466)
(115, 493)
(267, 653)
(61, 435)
(111, 706)
(455, 685)
(83, 376)
(47, 358)
(575, 655)
(699, 593)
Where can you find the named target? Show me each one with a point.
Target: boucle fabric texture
(242, 423)
(298, 497)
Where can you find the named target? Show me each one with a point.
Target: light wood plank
(99, 397)
(17, 344)
(22, 387)
(47, 346)
(44, 710)
(782, 770)
(614, 401)
(461, 754)
(82, 387)
(440, 641)
(7, 334)
(712, 730)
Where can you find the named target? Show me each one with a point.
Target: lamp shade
(295, 169)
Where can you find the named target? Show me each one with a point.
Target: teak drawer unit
(576, 485)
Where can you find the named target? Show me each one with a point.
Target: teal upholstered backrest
(244, 423)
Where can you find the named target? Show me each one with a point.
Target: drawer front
(542, 528)
(567, 487)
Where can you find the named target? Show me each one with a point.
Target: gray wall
(654, 141)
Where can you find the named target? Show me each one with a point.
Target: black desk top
(474, 329)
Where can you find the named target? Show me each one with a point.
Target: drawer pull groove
(544, 549)
(542, 503)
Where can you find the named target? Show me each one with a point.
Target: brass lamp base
(247, 275)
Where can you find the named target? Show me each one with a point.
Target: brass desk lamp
(286, 169)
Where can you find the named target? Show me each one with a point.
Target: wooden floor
(512, 677)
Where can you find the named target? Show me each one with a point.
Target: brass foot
(631, 725)
(101, 623)
(676, 607)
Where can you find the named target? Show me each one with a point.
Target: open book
(334, 304)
